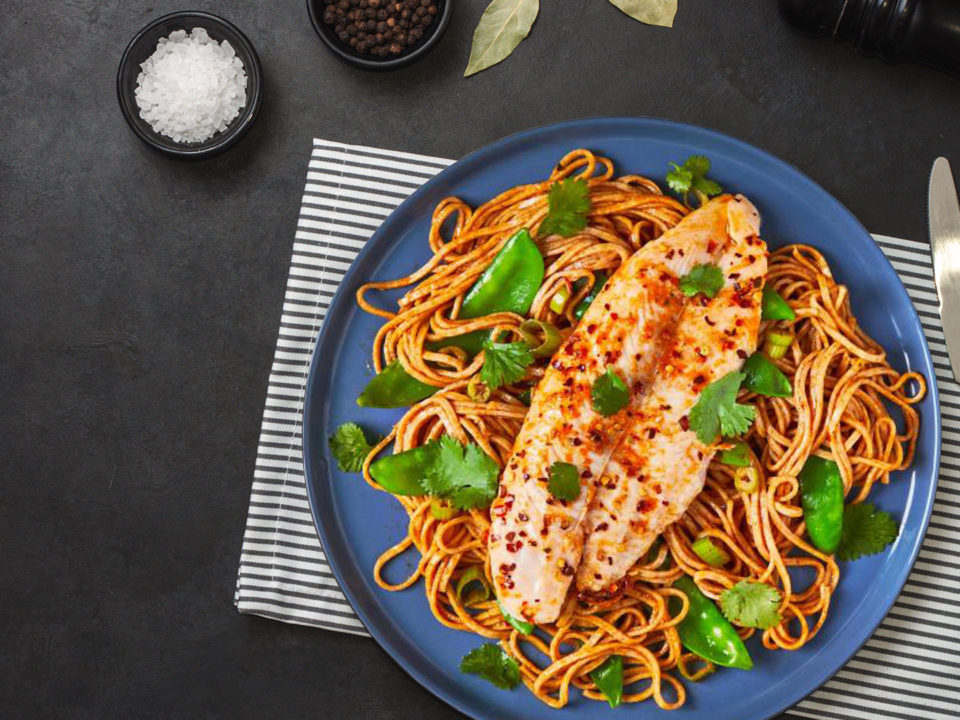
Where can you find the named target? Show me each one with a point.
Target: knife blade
(944, 216)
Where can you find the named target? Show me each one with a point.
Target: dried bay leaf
(503, 25)
(651, 12)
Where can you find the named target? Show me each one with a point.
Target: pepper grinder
(921, 31)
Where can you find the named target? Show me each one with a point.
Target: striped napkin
(910, 668)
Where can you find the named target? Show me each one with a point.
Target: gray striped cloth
(909, 669)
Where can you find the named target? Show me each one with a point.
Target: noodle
(842, 384)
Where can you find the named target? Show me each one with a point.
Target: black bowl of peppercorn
(380, 34)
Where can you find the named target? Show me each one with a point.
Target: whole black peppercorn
(380, 28)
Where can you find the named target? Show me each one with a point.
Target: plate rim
(325, 334)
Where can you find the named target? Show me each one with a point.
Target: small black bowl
(142, 47)
(371, 62)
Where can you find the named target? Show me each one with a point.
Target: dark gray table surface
(140, 296)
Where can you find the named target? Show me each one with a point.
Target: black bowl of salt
(190, 85)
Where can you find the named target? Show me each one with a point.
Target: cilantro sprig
(702, 279)
(692, 177)
(492, 663)
(463, 475)
(504, 363)
(564, 482)
(866, 531)
(751, 604)
(568, 203)
(609, 393)
(717, 411)
(350, 447)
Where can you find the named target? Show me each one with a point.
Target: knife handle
(922, 31)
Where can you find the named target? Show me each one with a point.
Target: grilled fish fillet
(536, 541)
(659, 467)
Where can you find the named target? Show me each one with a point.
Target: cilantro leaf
(751, 604)
(349, 447)
(564, 483)
(504, 363)
(699, 165)
(692, 175)
(492, 663)
(717, 411)
(706, 279)
(568, 202)
(866, 531)
(680, 179)
(707, 186)
(610, 394)
(465, 476)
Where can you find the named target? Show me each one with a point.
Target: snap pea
(509, 284)
(511, 281)
(821, 494)
(521, 626)
(736, 456)
(774, 307)
(402, 474)
(608, 677)
(394, 387)
(706, 632)
(765, 378)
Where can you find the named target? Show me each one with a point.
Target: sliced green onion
(558, 302)
(746, 479)
(599, 281)
(524, 397)
(706, 667)
(442, 510)
(707, 551)
(524, 628)
(533, 330)
(737, 456)
(776, 344)
(478, 390)
(472, 587)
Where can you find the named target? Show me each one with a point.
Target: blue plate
(357, 523)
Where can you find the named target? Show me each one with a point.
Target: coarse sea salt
(191, 87)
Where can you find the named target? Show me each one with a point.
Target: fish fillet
(659, 467)
(536, 541)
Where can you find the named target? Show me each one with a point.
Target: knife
(944, 215)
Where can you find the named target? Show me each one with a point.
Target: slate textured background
(139, 301)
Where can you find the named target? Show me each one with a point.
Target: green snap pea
(403, 473)
(521, 626)
(511, 281)
(608, 677)
(736, 456)
(765, 378)
(394, 387)
(509, 284)
(774, 307)
(705, 631)
(821, 495)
